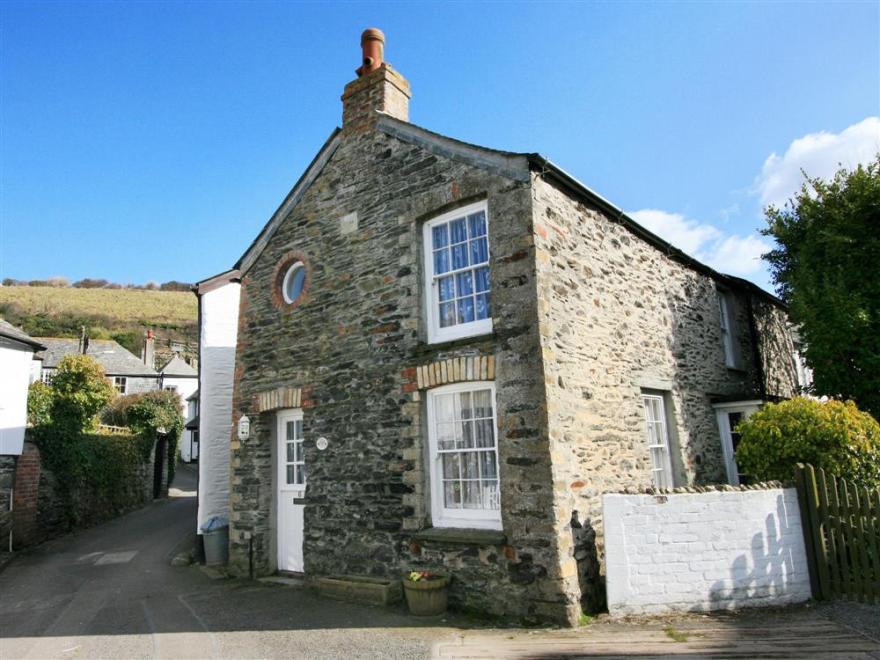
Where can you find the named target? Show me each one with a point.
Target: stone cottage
(447, 353)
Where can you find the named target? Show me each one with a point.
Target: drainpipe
(756, 351)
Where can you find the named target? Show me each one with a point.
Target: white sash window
(457, 287)
(464, 456)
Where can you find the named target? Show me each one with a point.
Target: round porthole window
(294, 283)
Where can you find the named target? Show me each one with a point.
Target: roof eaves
(548, 169)
(311, 173)
(22, 339)
(211, 283)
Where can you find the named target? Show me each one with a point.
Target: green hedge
(97, 476)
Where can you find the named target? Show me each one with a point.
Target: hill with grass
(120, 314)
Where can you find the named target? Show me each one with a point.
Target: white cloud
(819, 155)
(729, 253)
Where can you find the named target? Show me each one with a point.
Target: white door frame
(722, 410)
(287, 532)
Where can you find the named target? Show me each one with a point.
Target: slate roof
(115, 360)
(178, 368)
(9, 331)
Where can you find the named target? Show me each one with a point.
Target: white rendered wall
(183, 386)
(15, 376)
(704, 551)
(217, 338)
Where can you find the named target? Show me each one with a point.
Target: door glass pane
(291, 474)
(291, 430)
(291, 452)
(300, 473)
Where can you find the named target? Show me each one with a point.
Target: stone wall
(619, 316)
(354, 345)
(43, 511)
(687, 552)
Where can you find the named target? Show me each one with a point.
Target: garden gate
(841, 524)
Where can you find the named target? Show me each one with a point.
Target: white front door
(729, 416)
(291, 489)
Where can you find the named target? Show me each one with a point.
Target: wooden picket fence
(842, 533)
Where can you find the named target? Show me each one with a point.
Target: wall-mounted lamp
(244, 427)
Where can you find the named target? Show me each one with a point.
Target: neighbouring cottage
(447, 353)
(17, 350)
(189, 443)
(127, 373)
(179, 377)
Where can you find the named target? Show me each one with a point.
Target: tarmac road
(111, 592)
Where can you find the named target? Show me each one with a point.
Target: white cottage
(218, 334)
(16, 356)
(180, 377)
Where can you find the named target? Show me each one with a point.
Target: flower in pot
(425, 593)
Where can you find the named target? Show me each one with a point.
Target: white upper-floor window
(457, 288)
(463, 454)
(46, 376)
(726, 329)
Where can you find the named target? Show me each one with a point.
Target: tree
(39, 404)
(833, 435)
(825, 266)
(80, 390)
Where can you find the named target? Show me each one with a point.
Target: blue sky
(152, 141)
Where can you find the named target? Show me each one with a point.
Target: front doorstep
(358, 589)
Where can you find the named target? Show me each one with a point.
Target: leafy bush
(39, 404)
(79, 391)
(147, 413)
(836, 436)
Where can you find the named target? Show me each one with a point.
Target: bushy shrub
(79, 391)
(39, 404)
(147, 413)
(833, 435)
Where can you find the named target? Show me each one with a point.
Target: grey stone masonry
(619, 316)
(586, 314)
(353, 346)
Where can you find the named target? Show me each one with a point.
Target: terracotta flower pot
(426, 597)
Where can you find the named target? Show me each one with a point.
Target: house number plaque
(321, 443)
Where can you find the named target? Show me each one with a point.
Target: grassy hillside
(120, 314)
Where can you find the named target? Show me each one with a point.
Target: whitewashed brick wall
(704, 551)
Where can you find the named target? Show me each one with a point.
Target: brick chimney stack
(377, 87)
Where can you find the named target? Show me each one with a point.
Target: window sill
(462, 535)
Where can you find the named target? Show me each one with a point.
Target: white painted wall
(183, 386)
(217, 339)
(15, 376)
(704, 551)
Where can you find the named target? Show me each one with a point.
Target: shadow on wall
(770, 572)
(586, 553)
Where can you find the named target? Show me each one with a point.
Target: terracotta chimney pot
(373, 47)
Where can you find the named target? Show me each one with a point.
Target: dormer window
(457, 285)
